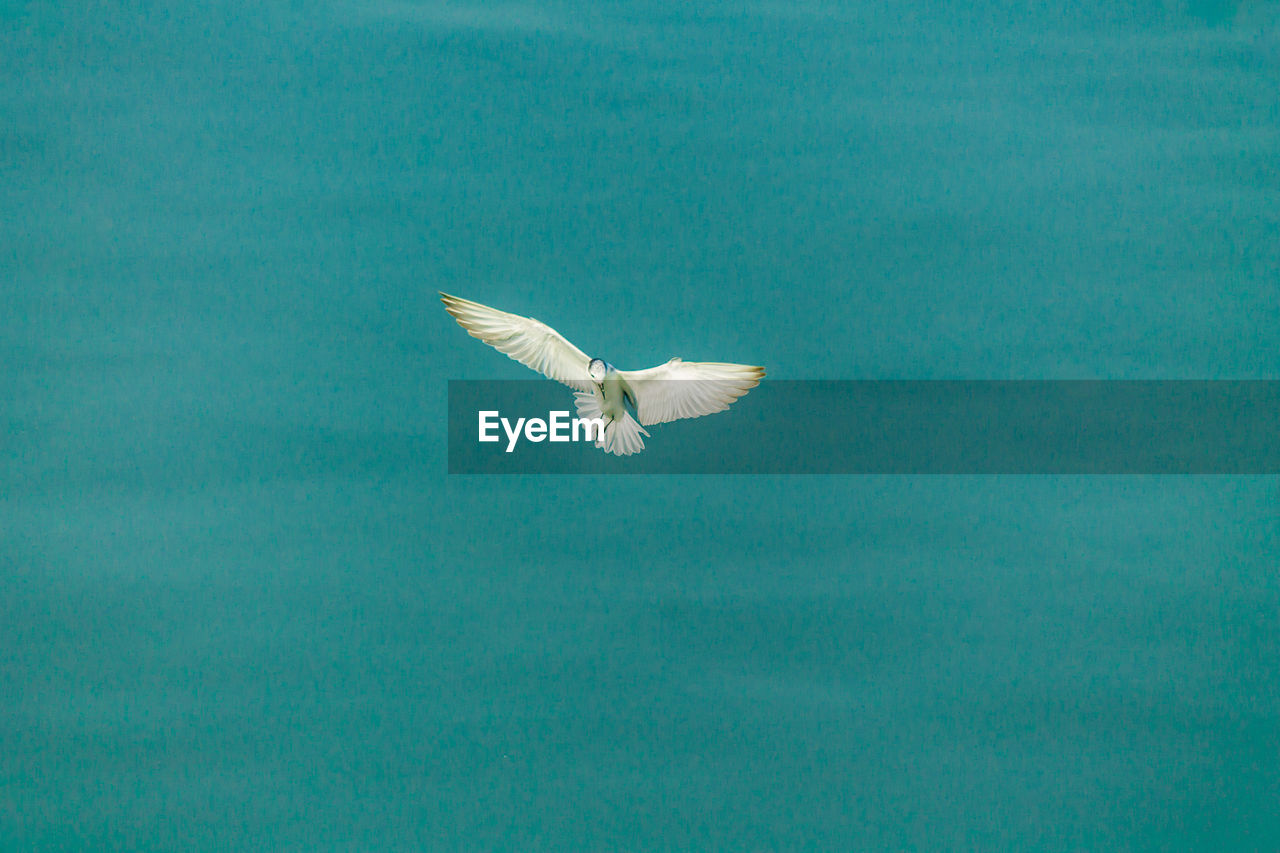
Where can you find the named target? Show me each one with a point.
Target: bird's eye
(596, 369)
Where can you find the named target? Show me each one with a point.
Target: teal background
(242, 606)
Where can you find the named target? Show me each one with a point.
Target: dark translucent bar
(908, 427)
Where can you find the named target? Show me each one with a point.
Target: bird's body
(614, 394)
(677, 389)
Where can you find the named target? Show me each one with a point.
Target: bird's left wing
(688, 389)
(530, 342)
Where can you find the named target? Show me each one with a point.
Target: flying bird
(668, 392)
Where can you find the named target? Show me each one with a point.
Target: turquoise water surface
(243, 606)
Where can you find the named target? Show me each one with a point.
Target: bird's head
(597, 369)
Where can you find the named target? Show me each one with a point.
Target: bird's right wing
(688, 389)
(530, 342)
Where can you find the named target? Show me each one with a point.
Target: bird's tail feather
(620, 437)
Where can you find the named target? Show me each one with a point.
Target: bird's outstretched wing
(688, 389)
(530, 342)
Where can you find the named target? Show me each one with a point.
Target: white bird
(668, 392)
